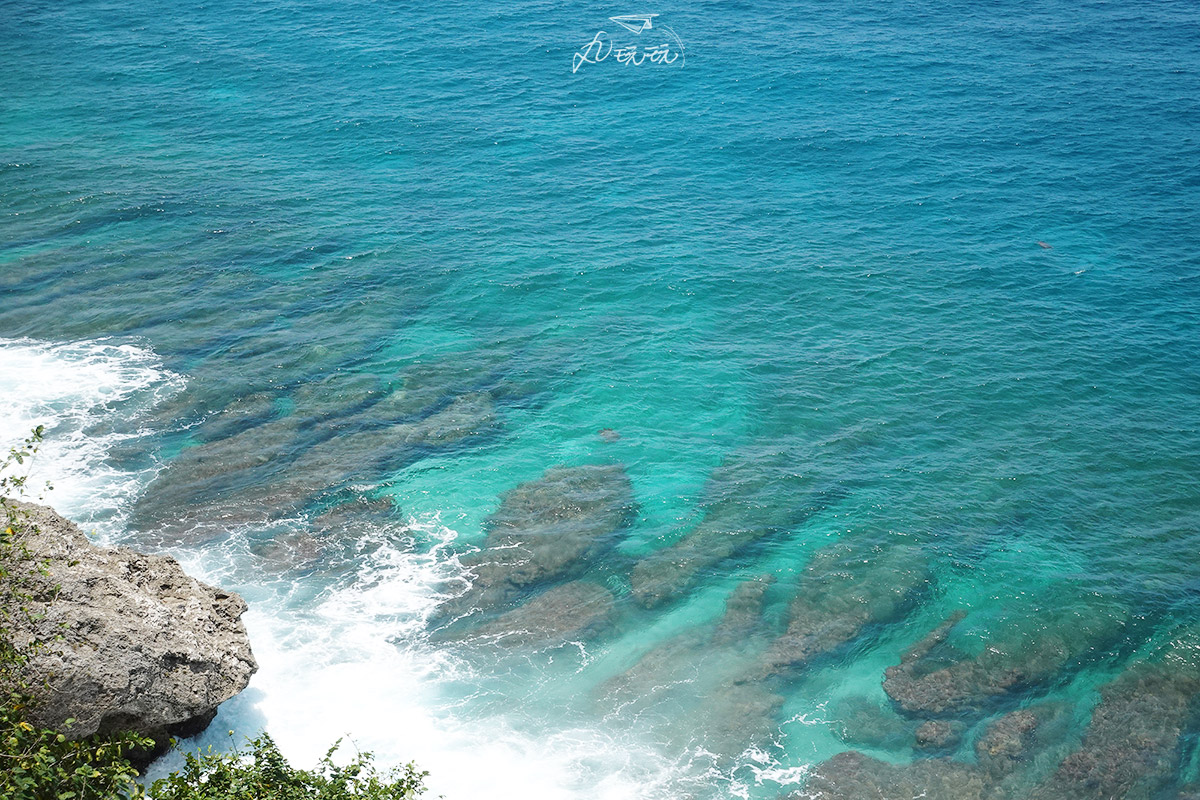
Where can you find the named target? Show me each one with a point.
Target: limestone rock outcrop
(132, 642)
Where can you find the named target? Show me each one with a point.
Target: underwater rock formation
(743, 613)
(239, 416)
(572, 610)
(289, 551)
(860, 720)
(547, 530)
(277, 467)
(678, 660)
(747, 498)
(844, 589)
(740, 715)
(938, 734)
(351, 452)
(337, 396)
(701, 669)
(201, 474)
(608, 435)
(271, 453)
(854, 776)
(935, 677)
(1131, 748)
(134, 643)
(1008, 743)
(424, 387)
(332, 542)
(355, 513)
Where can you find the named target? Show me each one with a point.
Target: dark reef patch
(546, 531)
(1028, 651)
(572, 610)
(1131, 748)
(752, 496)
(845, 589)
(854, 776)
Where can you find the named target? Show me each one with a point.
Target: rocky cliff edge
(133, 642)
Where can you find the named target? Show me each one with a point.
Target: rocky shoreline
(132, 643)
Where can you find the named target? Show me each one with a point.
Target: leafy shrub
(40, 764)
(262, 772)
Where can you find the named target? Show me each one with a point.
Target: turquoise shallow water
(305, 290)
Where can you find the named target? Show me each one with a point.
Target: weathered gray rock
(134, 643)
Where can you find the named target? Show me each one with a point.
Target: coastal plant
(261, 771)
(42, 764)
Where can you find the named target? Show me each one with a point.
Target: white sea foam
(88, 395)
(356, 664)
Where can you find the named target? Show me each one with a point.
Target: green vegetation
(42, 764)
(262, 772)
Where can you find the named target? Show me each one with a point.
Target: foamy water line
(89, 396)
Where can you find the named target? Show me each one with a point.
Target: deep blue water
(898, 278)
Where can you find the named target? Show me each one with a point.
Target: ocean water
(764, 362)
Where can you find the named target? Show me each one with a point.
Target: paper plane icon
(635, 22)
